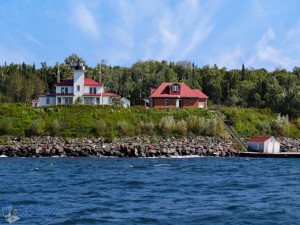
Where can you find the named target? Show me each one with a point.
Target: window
(66, 90)
(167, 102)
(91, 90)
(78, 87)
(94, 90)
(58, 101)
(175, 87)
(89, 101)
(68, 101)
(62, 90)
(47, 101)
(98, 101)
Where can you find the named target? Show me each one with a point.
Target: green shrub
(6, 126)
(55, 127)
(124, 127)
(181, 127)
(281, 125)
(154, 139)
(109, 136)
(213, 127)
(100, 127)
(36, 127)
(263, 126)
(167, 124)
(197, 125)
(146, 127)
(78, 101)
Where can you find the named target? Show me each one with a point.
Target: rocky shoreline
(121, 147)
(127, 147)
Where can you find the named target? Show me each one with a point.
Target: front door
(178, 103)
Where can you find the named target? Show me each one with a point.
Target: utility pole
(100, 81)
(58, 73)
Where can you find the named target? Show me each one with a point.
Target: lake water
(151, 190)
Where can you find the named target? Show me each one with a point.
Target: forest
(278, 90)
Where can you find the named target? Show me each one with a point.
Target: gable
(169, 90)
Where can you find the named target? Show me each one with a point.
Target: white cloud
(33, 40)
(83, 18)
(183, 29)
(266, 54)
(159, 30)
(230, 59)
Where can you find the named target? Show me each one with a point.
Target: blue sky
(258, 33)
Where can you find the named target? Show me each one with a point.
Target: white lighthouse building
(78, 88)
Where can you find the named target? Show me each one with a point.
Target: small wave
(135, 167)
(163, 164)
(187, 156)
(3, 156)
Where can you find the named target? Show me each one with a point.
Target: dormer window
(175, 87)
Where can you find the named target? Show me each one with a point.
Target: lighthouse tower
(78, 81)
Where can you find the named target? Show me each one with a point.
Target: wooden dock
(270, 155)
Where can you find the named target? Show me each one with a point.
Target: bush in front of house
(181, 127)
(35, 128)
(124, 127)
(55, 127)
(147, 128)
(100, 128)
(167, 125)
(6, 126)
(197, 125)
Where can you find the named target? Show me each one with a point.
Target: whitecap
(187, 156)
(3, 156)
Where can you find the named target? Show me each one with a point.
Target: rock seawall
(123, 147)
(127, 147)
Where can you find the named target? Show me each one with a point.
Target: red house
(177, 95)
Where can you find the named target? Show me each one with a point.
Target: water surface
(151, 190)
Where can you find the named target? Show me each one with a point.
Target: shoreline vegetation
(85, 130)
(109, 122)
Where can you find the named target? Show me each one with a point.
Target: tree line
(278, 90)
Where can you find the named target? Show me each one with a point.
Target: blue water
(151, 191)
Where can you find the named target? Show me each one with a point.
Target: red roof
(87, 82)
(185, 91)
(35, 100)
(91, 82)
(259, 138)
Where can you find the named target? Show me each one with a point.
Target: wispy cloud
(182, 33)
(83, 18)
(33, 40)
(154, 30)
(266, 54)
(229, 59)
